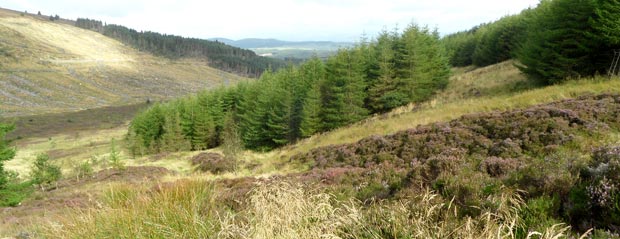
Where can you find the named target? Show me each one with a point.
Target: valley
(50, 67)
(510, 129)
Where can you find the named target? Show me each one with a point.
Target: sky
(293, 20)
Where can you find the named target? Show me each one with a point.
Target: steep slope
(49, 66)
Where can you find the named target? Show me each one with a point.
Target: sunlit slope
(498, 87)
(49, 66)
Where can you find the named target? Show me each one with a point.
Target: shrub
(596, 200)
(212, 162)
(84, 169)
(115, 158)
(44, 172)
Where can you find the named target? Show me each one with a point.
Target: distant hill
(287, 50)
(51, 66)
(220, 55)
(251, 43)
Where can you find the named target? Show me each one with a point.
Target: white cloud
(343, 20)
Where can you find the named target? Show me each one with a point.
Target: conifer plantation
(556, 41)
(298, 101)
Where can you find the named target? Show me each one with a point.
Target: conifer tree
(313, 74)
(255, 106)
(6, 153)
(311, 114)
(278, 115)
(173, 139)
(343, 91)
(559, 42)
(607, 22)
(426, 67)
(385, 94)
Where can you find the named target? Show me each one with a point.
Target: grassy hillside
(248, 192)
(54, 67)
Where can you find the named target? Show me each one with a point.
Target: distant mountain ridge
(251, 43)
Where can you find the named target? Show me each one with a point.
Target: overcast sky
(335, 20)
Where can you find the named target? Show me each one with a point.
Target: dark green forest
(557, 40)
(298, 101)
(221, 56)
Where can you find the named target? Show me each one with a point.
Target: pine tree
(313, 73)
(426, 67)
(204, 130)
(278, 116)
(311, 120)
(385, 94)
(173, 139)
(254, 114)
(559, 42)
(6, 153)
(343, 91)
(607, 21)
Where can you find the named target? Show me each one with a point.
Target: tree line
(557, 40)
(220, 55)
(298, 101)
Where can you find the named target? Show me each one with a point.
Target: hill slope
(370, 166)
(54, 67)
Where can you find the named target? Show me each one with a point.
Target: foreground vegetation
(374, 192)
(191, 209)
(519, 174)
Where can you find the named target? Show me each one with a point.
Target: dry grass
(188, 209)
(55, 67)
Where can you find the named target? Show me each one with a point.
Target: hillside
(508, 130)
(462, 109)
(55, 67)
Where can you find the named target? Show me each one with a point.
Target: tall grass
(179, 211)
(188, 209)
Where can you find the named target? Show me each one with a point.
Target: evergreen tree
(427, 68)
(311, 120)
(278, 116)
(6, 153)
(343, 90)
(560, 43)
(173, 139)
(385, 93)
(254, 114)
(204, 130)
(607, 22)
(313, 74)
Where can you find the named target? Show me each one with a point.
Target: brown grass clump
(280, 209)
